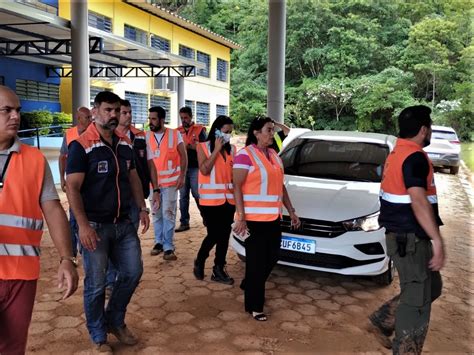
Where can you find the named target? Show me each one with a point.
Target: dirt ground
(309, 312)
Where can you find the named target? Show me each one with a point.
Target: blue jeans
(190, 183)
(74, 230)
(134, 215)
(164, 220)
(119, 243)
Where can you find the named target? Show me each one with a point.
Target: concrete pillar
(80, 55)
(276, 59)
(181, 99)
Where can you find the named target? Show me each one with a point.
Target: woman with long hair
(259, 194)
(216, 198)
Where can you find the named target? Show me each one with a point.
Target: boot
(220, 275)
(198, 270)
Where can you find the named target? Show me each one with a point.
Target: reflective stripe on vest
(19, 250)
(167, 162)
(278, 141)
(216, 188)
(403, 199)
(263, 187)
(21, 218)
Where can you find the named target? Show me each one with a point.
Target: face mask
(226, 137)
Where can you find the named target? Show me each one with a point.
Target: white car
(333, 179)
(445, 148)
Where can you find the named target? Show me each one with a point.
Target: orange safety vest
(71, 134)
(263, 188)
(216, 188)
(165, 156)
(21, 218)
(392, 188)
(192, 135)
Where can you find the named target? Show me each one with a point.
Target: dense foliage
(350, 64)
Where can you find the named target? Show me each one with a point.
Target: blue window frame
(222, 69)
(100, 22)
(163, 101)
(135, 34)
(221, 110)
(187, 52)
(139, 104)
(160, 43)
(37, 90)
(206, 59)
(202, 113)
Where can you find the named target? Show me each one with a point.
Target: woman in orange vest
(259, 193)
(216, 198)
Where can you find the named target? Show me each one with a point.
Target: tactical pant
(409, 312)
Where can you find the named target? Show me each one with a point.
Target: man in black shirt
(409, 213)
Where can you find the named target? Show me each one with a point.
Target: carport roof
(19, 22)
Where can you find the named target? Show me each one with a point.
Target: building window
(187, 52)
(37, 91)
(222, 68)
(160, 43)
(164, 102)
(100, 22)
(135, 34)
(139, 104)
(202, 113)
(190, 104)
(206, 59)
(94, 90)
(221, 110)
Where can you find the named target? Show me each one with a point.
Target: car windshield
(352, 161)
(450, 136)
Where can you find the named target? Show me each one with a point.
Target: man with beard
(166, 149)
(192, 134)
(409, 213)
(101, 180)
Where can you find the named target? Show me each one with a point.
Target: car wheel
(241, 257)
(386, 278)
(454, 170)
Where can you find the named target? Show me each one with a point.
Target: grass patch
(467, 154)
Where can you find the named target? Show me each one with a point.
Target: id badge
(157, 153)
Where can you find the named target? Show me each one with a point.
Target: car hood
(332, 200)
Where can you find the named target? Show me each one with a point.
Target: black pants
(262, 249)
(218, 222)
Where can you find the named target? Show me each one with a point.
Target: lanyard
(5, 169)
(156, 139)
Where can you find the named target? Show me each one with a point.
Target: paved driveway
(308, 311)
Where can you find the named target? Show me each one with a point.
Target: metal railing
(55, 131)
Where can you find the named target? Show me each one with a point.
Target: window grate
(160, 43)
(221, 110)
(187, 52)
(100, 22)
(202, 113)
(206, 59)
(163, 101)
(222, 68)
(37, 91)
(139, 103)
(135, 34)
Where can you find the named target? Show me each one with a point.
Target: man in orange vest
(166, 148)
(27, 192)
(84, 118)
(192, 134)
(409, 213)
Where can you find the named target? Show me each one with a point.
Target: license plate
(298, 244)
(434, 156)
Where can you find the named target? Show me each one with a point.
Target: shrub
(37, 119)
(61, 119)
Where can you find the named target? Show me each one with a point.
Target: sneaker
(169, 255)
(103, 348)
(157, 249)
(182, 228)
(124, 335)
(379, 334)
(198, 270)
(220, 275)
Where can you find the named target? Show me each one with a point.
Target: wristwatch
(72, 259)
(145, 209)
(156, 190)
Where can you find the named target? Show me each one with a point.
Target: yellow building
(180, 40)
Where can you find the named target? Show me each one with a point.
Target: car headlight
(367, 224)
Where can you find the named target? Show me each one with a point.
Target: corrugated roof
(154, 9)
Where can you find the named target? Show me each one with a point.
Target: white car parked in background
(444, 149)
(333, 178)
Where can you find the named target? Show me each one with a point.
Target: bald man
(27, 193)
(84, 118)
